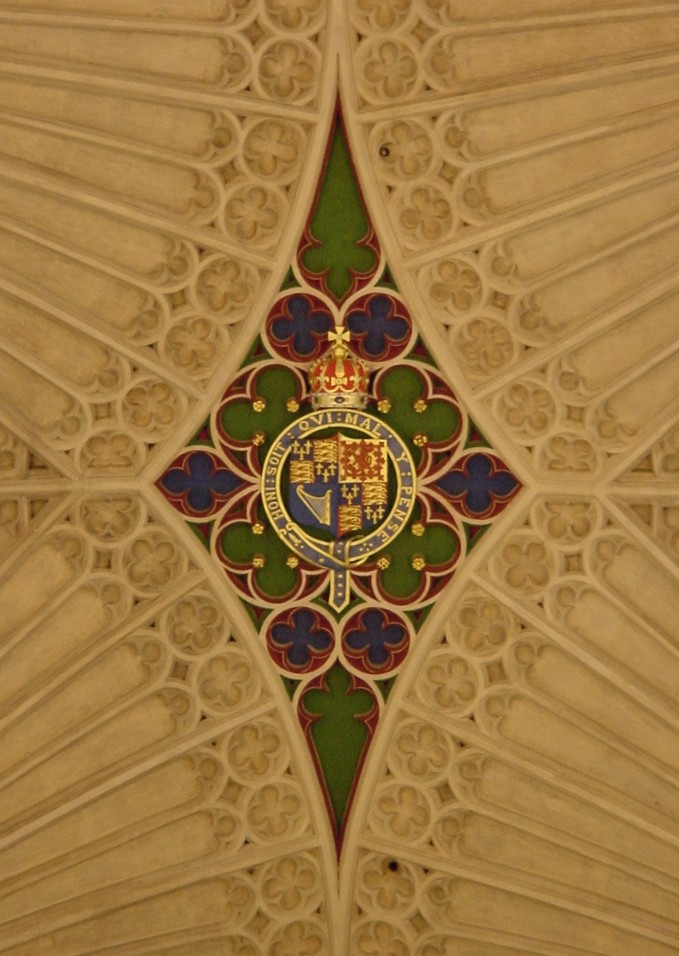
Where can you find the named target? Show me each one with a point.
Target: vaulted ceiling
(158, 160)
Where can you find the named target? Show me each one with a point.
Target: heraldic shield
(338, 483)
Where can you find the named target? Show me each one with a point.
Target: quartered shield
(337, 497)
(338, 484)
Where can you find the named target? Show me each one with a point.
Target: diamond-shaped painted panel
(339, 482)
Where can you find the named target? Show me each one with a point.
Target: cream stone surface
(519, 159)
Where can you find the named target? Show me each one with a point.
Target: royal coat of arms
(338, 483)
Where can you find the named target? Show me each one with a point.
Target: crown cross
(340, 339)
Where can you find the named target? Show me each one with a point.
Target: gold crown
(339, 379)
